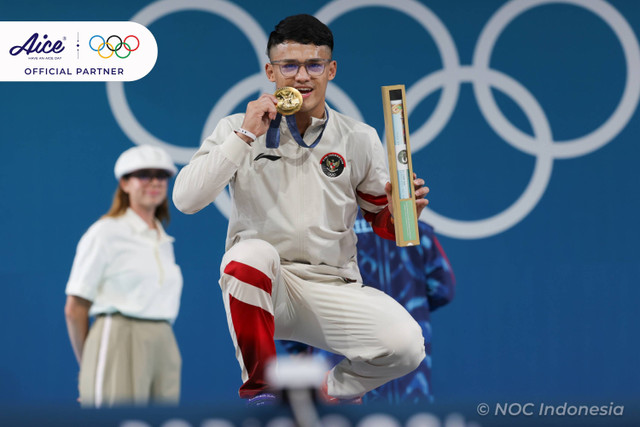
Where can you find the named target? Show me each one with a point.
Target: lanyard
(273, 134)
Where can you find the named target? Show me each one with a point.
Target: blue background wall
(546, 309)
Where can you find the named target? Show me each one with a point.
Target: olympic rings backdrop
(524, 122)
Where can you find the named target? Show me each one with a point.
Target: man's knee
(255, 253)
(414, 350)
(405, 347)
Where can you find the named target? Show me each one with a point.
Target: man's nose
(302, 74)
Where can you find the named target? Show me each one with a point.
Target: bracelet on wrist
(246, 133)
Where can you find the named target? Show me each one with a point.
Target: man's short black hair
(303, 29)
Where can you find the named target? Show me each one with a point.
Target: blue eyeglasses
(314, 67)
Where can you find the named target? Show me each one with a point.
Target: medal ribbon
(273, 134)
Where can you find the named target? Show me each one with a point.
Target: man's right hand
(259, 115)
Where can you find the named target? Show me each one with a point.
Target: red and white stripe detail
(374, 200)
(381, 223)
(247, 299)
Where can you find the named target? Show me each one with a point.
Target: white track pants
(264, 300)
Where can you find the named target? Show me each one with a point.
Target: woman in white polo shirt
(124, 273)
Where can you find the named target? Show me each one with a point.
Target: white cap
(143, 157)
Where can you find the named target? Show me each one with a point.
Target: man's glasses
(146, 175)
(314, 67)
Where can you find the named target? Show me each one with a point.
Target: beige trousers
(129, 361)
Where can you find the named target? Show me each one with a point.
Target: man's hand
(258, 116)
(420, 190)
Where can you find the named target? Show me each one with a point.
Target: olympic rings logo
(452, 75)
(106, 44)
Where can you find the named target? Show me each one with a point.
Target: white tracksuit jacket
(303, 201)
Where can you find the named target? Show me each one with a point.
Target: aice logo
(32, 45)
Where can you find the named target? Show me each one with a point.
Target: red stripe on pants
(254, 328)
(248, 274)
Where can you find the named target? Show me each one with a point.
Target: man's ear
(333, 68)
(268, 69)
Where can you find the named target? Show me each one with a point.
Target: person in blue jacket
(418, 277)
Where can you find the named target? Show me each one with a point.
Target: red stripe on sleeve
(376, 200)
(381, 223)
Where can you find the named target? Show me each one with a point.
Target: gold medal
(289, 100)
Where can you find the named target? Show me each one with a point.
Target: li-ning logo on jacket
(266, 156)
